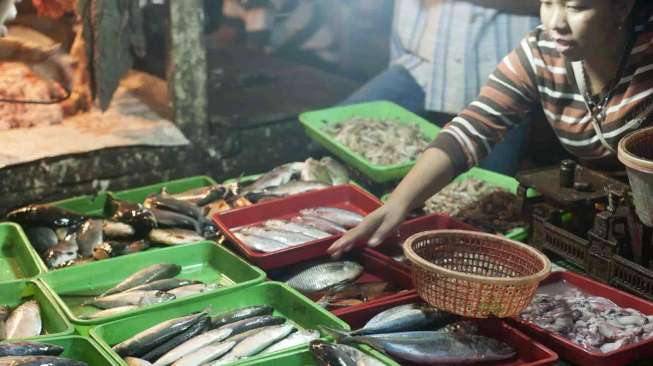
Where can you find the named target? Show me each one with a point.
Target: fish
(297, 228)
(173, 236)
(41, 237)
(275, 177)
(203, 195)
(259, 243)
(173, 204)
(164, 284)
(362, 291)
(135, 215)
(46, 215)
(345, 218)
(89, 235)
(109, 249)
(39, 361)
(135, 247)
(205, 354)
(165, 218)
(135, 298)
(433, 348)
(320, 224)
(240, 314)
(109, 312)
(24, 321)
(406, 318)
(255, 343)
(117, 230)
(337, 172)
(190, 290)
(329, 354)
(290, 188)
(4, 314)
(192, 345)
(61, 254)
(256, 322)
(146, 275)
(282, 236)
(313, 171)
(321, 276)
(193, 331)
(25, 348)
(294, 339)
(133, 361)
(151, 337)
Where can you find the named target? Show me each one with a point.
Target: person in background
(589, 66)
(441, 53)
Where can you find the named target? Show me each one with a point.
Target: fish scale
(322, 276)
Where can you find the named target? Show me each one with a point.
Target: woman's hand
(375, 227)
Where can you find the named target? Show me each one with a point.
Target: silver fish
(259, 243)
(89, 236)
(337, 172)
(164, 218)
(320, 224)
(41, 237)
(24, 321)
(173, 204)
(174, 236)
(200, 196)
(133, 361)
(282, 236)
(195, 289)
(254, 344)
(117, 230)
(192, 345)
(341, 355)
(240, 314)
(406, 318)
(39, 361)
(294, 187)
(256, 322)
(275, 177)
(191, 332)
(109, 312)
(313, 171)
(345, 218)
(164, 284)
(205, 354)
(294, 339)
(136, 298)
(297, 228)
(324, 275)
(26, 348)
(146, 275)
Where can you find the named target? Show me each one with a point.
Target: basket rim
(419, 261)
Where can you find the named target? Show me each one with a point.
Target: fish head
(162, 296)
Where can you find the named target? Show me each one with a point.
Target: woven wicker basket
(475, 274)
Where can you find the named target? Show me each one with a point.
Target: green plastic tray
(498, 180)
(204, 261)
(315, 121)
(17, 257)
(81, 349)
(287, 303)
(93, 205)
(303, 357)
(54, 321)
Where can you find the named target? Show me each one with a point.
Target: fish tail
(338, 335)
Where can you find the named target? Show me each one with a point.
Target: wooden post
(187, 67)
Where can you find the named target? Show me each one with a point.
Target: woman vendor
(589, 67)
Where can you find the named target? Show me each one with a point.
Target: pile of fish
(422, 334)
(23, 322)
(296, 177)
(479, 204)
(200, 339)
(590, 321)
(311, 224)
(331, 354)
(380, 141)
(62, 237)
(152, 285)
(34, 354)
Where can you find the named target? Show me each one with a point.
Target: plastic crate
(315, 121)
(54, 321)
(18, 260)
(203, 261)
(286, 302)
(376, 267)
(529, 352)
(567, 350)
(344, 196)
(81, 349)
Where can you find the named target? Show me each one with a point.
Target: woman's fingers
(363, 231)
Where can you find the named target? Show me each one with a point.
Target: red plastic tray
(529, 352)
(377, 267)
(345, 196)
(391, 246)
(574, 353)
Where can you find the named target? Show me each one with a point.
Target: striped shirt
(536, 75)
(449, 61)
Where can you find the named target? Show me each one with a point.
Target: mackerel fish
(322, 276)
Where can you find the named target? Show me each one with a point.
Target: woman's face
(581, 27)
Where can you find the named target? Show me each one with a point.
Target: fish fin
(338, 335)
